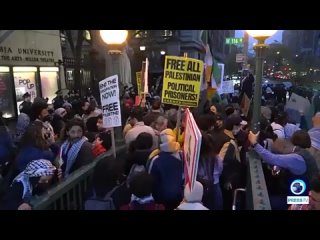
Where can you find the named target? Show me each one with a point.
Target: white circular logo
(298, 187)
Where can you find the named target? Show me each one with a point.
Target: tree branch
(70, 40)
(79, 43)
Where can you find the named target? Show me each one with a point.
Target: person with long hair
(35, 144)
(209, 172)
(76, 150)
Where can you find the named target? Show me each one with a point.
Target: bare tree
(76, 49)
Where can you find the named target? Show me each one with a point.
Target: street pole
(178, 124)
(245, 50)
(260, 49)
(115, 63)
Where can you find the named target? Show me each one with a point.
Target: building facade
(156, 44)
(304, 42)
(77, 44)
(29, 62)
(217, 41)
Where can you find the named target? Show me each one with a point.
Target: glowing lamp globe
(114, 37)
(261, 33)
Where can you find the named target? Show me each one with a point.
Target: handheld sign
(110, 101)
(191, 149)
(181, 81)
(139, 83)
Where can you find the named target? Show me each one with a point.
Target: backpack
(97, 203)
(135, 169)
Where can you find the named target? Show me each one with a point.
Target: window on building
(69, 78)
(167, 33)
(25, 81)
(6, 93)
(49, 82)
(63, 38)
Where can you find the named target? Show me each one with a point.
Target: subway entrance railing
(70, 193)
(257, 197)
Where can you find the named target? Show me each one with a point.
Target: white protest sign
(110, 101)
(191, 149)
(227, 87)
(299, 103)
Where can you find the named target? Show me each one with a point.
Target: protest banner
(181, 81)
(139, 82)
(227, 87)
(298, 103)
(110, 102)
(191, 149)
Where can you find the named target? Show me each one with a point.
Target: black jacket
(84, 157)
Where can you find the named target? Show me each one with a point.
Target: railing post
(75, 186)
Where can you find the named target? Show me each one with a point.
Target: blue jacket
(167, 171)
(315, 137)
(29, 153)
(292, 162)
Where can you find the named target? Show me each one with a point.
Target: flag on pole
(216, 76)
(146, 87)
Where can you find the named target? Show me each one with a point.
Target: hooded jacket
(192, 199)
(167, 169)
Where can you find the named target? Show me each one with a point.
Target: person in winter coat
(298, 163)
(167, 170)
(35, 144)
(76, 150)
(58, 122)
(36, 178)
(141, 194)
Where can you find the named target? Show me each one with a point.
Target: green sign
(234, 41)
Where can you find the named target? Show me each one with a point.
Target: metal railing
(257, 197)
(70, 193)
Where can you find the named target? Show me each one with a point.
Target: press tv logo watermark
(298, 192)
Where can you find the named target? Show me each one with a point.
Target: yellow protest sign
(139, 82)
(181, 81)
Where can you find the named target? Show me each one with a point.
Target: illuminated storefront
(28, 63)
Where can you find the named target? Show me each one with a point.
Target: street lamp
(115, 40)
(116, 37)
(260, 49)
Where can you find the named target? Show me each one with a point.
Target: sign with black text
(110, 102)
(181, 81)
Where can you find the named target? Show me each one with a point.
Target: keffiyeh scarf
(36, 168)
